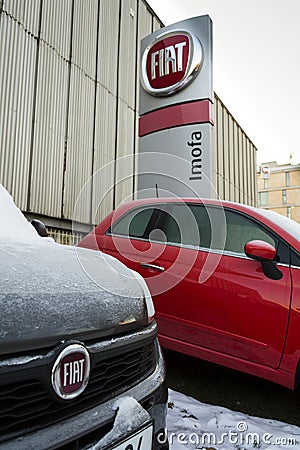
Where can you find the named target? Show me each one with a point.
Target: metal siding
(226, 154)
(234, 155)
(144, 28)
(250, 183)
(124, 163)
(231, 157)
(104, 163)
(108, 44)
(248, 174)
(17, 65)
(241, 166)
(49, 136)
(251, 173)
(127, 53)
(85, 35)
(56, 25)
(236, 163)
(145, 21)
(220, 148)
(245, 169)
(79, 147)
(156, 24)
(26, 12)
(254, 163)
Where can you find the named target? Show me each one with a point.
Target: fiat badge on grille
(70, 372)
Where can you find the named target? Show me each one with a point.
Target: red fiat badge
(70, 372)
(170, 62)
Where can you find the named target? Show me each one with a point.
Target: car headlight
(147, 296)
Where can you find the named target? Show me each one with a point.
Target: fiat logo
(170, 62)
(70, 372)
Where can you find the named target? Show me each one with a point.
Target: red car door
(217, 298)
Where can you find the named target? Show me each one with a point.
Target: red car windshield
(289, 225)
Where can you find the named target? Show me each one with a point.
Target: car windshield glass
(289, 225)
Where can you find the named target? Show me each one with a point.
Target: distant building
(279, 188)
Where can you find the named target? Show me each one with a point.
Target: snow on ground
(195, 425)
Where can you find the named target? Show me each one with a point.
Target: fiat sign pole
(176, 151)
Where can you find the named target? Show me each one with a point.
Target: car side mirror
(40, 227)
(266, 254)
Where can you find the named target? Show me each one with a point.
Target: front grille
(26, 406)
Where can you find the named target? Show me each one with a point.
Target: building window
(263, 199)
(284, 196)
(266, 183)
(287, 179)
(289, 212)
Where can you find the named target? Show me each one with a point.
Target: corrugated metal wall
(235, 157)
(69, 108)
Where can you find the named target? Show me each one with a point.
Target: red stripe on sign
(176, 116)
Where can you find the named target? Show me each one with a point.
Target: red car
(225, 279)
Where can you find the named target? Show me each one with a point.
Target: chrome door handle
(152, 266)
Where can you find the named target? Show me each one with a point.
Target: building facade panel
(235, 158)
(231, 153)
(156, 24)
(56, 25)
(295, 178)
(104, 155)
(245, 169)
(17, 70)
(27, 13)
(145, 22)
(144, 28)
(236, 163)
(218, 148)
(253, 176)
(125, 154)
(108, 44)
(79, 146)
(241, 165)
(84, 36)
(49, 133)
(225, 149)
(249, 174)
(128, 54)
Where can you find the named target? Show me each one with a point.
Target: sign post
(176, 141)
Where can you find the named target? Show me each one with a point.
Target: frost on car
(77, 335)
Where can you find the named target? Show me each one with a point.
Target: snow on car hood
(50, 291)
(46, 294)
(13, 224)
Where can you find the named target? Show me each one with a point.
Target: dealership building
(69, 110)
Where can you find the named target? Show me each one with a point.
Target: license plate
(140, 440)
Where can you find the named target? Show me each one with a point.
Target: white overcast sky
(256, 66)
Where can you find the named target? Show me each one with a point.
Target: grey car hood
(51, 292)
